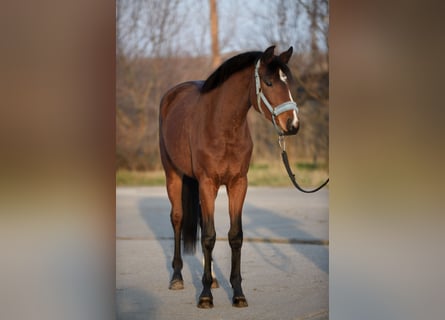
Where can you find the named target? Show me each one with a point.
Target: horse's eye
(268, 83)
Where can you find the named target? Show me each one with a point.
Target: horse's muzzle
(291, 129)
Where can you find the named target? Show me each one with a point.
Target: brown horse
(205, 142)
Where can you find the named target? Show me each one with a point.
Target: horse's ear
(285, 56)
(268, 55)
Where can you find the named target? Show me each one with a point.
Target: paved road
(284, 257)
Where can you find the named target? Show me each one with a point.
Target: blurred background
(161, 43)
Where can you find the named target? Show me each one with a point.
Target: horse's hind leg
(174, 191)
(174, 187)
(236, 192)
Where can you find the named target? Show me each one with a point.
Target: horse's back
(182, 94)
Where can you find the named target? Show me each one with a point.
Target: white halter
(286, 106)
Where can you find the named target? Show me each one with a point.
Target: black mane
(238, 63)
(229, 67)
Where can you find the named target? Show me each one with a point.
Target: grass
(140, 178)
(307, 174)
(274, 174)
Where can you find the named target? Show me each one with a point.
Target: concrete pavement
(284, 257)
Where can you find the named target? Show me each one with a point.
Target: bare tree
(304, 25)
(318, 15)
(147, 27)
(145, 40)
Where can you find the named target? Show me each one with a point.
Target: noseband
(274, 112)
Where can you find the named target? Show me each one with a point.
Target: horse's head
(272, 95)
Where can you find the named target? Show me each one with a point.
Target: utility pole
(313, 17)
(216, 58)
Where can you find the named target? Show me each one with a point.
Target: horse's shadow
(255, 223)
(133, 303)
(264, 235)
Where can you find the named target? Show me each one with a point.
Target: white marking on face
(290, 96)
(283, 76)
(295, 119)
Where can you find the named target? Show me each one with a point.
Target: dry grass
(274, 174)
(260, 174)
(140, 178)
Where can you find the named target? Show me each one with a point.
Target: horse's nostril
(289, 124)
(291, 127)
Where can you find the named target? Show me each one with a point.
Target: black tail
(191, 213)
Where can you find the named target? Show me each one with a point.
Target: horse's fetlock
(177, 263)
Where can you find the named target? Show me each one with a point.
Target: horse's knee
(235, 239)
(208, 241)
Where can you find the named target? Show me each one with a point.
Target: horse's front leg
(207, 193)
(237, 193)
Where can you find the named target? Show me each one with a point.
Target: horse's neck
(232, 100)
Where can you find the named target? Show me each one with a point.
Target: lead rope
(282, 144)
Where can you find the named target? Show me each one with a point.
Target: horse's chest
(225, 160)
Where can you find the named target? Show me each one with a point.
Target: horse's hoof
(176, 284)
(205, 303)
(215, 284)
(239, 302)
